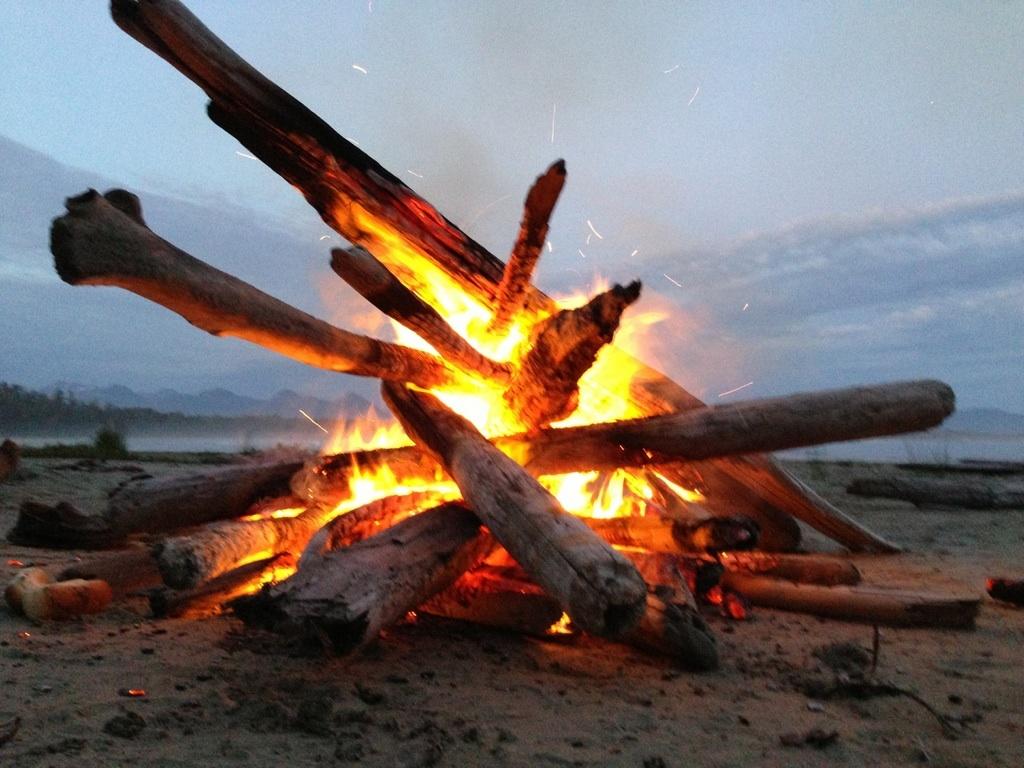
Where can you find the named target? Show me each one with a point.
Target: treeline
(25, 412)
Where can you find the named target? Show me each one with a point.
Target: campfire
(542, 479)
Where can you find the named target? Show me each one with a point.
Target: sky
(850, 173)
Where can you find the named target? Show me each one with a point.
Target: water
(932, 448)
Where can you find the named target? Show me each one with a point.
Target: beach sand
(435, 692)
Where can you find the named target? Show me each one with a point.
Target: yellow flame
(604, 389)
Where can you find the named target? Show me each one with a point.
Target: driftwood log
(517, 279)
(863, 603)
(769, 424)
(597, 587)
(496, 598)
(153, 506)
(559, 350)
(103, 240)
(372, 208)
(345, 597)
(193, 558)
(373, 282)
(935, 492)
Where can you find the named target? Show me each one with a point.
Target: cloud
(936, 290)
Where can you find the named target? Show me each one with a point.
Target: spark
(670, 70)
(314, 421)
(671, 280)
(550, 247)
(736, 389)
(599, 235)
(417, 175)
(358, 68)
(553, 108)
(324, 237)
(246, 155)
(473, 219)
(745, 307)
(692, 98)
(634, 253)
(581, 253)
(588, 239)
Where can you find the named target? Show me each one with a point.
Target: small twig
(876, 646)
(864, 688)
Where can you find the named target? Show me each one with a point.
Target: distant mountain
(991, 421)
(216, 402)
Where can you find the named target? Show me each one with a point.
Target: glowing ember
(561, 627)
(133, 693)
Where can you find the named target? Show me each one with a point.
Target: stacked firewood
(469, 531)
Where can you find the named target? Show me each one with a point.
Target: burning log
(347, 596)
(373, 282)
(104, 241)
(153, 506)
(33, 593)
(211, 596)
(873, 605)
(516, 280)
(936, 492)
(545, 385)
(597, 587)
(191, 559)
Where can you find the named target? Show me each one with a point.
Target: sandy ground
(442, 693)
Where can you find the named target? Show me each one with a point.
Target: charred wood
(188, 560)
